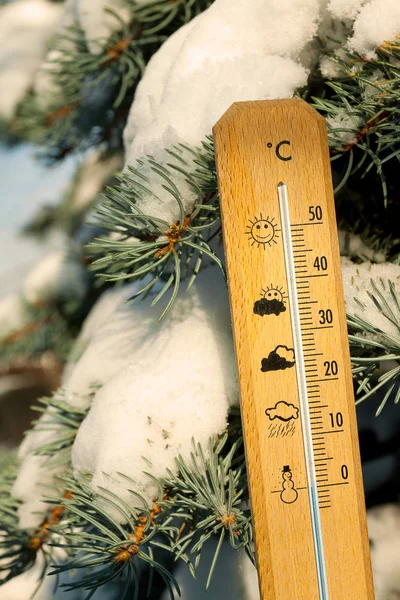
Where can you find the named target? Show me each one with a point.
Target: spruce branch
(148, 244)
(372, 349)
(107, 538)
(365, 99)
(48, 328)
(103, 548)
(63, 421)
(95, 91)
(19, 548)
(142, 244)
(15, 554)
(210, 499)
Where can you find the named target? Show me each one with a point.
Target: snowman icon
(289, 493)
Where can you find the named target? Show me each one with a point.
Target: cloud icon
(282, 411)
(279, 359)
(268, 307)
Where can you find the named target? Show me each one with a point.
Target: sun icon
(273, 293)
(262, 231)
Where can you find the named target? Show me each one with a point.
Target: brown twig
(127, 551)
(173, 235)
(42, 534)
(58, 114)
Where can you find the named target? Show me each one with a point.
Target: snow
(104, 326)
(178, 382)
(25, 27)
(13, 315)
(384, 533)
(34, 472)
(343, 127)
(26, 585)
(345, 9)
(378, 21)
(104, 309)
(330, 68)
(34, 481)
(357, 284)
(163, 383)
(212, 62)
(35, 477)
(114, 332)
(23, 586)
(58, 276)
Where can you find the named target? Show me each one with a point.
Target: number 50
(315, 213)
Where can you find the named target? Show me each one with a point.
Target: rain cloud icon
(282, 411)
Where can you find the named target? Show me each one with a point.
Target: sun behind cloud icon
(271, 303)
(282, 411)
(262, 231)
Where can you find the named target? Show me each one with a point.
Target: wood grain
(258, 145)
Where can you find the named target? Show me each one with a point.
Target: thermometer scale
(288, 316)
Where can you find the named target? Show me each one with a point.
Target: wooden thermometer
(292, 352)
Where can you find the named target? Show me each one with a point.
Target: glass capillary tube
(302, 389)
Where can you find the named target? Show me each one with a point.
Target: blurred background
(27, 189)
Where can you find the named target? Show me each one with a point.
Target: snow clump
(25, 27)
(208, 64)
(177, 385)
(377, 22)
(162, 385)
(343, 127)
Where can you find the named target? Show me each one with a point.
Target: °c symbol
(278, 149)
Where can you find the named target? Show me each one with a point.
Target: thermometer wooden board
(288, 315)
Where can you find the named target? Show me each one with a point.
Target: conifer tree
(135, 468)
